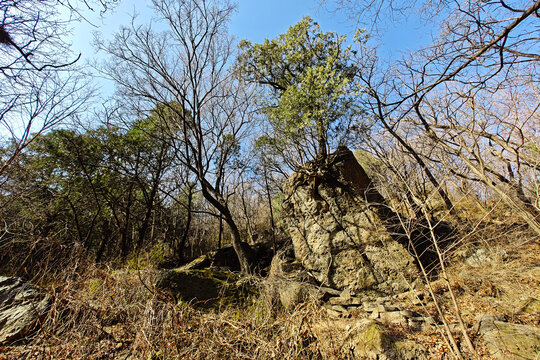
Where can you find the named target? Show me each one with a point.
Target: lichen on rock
(338, 224)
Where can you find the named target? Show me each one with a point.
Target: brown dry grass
(101, 313)
(113, 315)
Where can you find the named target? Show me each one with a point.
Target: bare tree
(184, 71)
(489, 139)
(39, 86)
(478, 52)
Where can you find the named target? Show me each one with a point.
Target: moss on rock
(208, 288)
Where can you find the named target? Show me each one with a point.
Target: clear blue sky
(256, 20)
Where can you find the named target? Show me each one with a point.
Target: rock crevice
(338, 225)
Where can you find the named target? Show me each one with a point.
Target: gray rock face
(337, 224)
(292, 284)
(509, 341)
(21, 307)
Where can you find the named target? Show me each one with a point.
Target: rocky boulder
(259, 253)
(509, 341)
(208, 288)
(291, 284)
(338, 225)
(368, 339)
(22, 307)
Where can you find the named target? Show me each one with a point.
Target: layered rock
(22, 306)
(338, 225)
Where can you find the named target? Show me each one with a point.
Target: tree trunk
(242, 254)
(322, 153)
(246, 214)
(220, 234)
(268, 197)
(188, 223)
(216, 199)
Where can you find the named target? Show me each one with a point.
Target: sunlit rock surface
(338, 225)
(21, 307)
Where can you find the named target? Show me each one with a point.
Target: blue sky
(256, 20)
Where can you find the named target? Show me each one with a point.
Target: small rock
(368, 340)
(486, 321)
(369, 306)
(339, 308)
(393, 317)
(346, 294)
(374, 314)
(409, 350)
(382, 300)
(483, 257)
(354, 301)
(333, 312)
(408, 313)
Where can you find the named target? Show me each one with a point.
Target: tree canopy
(310, 86)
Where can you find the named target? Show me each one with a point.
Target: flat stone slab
(510, 341)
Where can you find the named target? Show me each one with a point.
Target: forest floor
(116, 314)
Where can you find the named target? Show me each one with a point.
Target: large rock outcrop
(338, 225)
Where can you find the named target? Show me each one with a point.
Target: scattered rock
(484, 257)
(509, 341)
(336, 220)
(333, 313)
(415, 297)
(22, 307)
(351, 301)
(393, 317)
(367, 339)
(409, 350)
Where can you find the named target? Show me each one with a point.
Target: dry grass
(101, 313)
(113, 315)
(505, 284)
